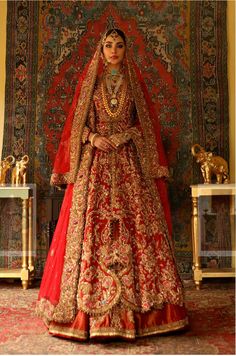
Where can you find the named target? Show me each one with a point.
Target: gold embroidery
(44, 309)
(85, 134)
(113, 178)
(81, 114)
(102, 251)
(66, 309)
(149, 154)
(110, 285)
(59, 179)
(112, 332)
(66, 331)
(163, 328)
(133, 264)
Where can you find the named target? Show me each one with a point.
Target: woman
(110, 271)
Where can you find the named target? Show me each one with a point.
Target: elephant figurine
(211, 164)
(5, 165)
(19, 171)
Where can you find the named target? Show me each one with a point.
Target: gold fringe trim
(104, 332)
(64, 331)
(131, 334)
(113, 332)
(163, 328)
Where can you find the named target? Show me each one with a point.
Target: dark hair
(120, 33)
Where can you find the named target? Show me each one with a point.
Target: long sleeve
(85, 134)
(90, 123)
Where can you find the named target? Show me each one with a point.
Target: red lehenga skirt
(128, 285)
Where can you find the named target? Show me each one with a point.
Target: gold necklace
(113, 93)
(121, 103)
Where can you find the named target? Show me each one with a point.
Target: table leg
(25, 271)
(30, 236)
(195, 242)
(232, 229)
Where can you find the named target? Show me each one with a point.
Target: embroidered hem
(163, 328)
(58, 330)
(68, 332)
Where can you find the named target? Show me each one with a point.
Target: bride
(110, 270)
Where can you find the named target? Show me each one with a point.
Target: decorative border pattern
(21, 85)
(209, 78)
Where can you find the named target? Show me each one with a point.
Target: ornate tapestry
(180, 48)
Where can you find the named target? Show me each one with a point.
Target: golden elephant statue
(19, 171)
(211, 165)
(5, 165)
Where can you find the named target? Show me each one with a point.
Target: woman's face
(114, 49)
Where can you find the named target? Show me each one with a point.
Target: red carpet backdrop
(181, 49)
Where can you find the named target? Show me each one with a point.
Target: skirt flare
(128, 283)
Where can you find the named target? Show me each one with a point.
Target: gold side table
(209, 190)
(28, 195)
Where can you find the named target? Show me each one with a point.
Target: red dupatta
(62, 159)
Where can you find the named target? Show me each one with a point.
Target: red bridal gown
(128, 283)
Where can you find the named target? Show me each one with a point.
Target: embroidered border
(149, 153)
(112, 332)
(66, 309)
(81, 113)
(163, 328)
(57, 330)
(209, 78)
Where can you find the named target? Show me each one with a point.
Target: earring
(105, 62)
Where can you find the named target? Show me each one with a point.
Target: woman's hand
(103, 144)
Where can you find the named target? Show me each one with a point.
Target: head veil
(152, 157)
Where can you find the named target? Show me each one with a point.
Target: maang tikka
(114, 34)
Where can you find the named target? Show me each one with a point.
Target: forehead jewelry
(114, 34)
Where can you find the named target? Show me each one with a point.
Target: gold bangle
(92, 139)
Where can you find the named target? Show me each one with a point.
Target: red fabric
(62, 159)
(143, 322)
(51, 281)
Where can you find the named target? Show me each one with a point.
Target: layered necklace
(113, 81)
